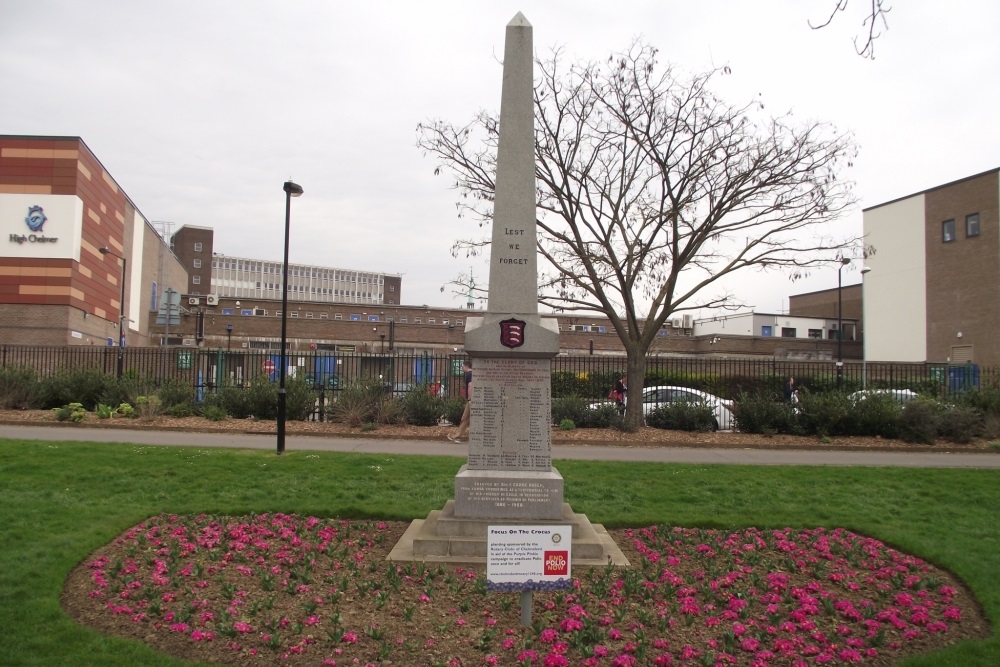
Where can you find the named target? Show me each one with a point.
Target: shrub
(300, 399)
(567, 425)
(105, 411)
(919, 421)
(876, 415)
(682, 416)
(85, 387)
(175, 393)
(128, 389)
(148, 407)
(419, 408)
(73, 412)
(453, 409)
(181, 410)
(260, 399)
(18, 388)
(764, 413)
(125, 410)
(359, 403)
(214, 413)
(987, 401)
(960, 423)
(824, 414)
(585, 414)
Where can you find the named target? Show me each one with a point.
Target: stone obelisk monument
(509, 478)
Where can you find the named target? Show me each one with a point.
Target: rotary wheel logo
(35, 218)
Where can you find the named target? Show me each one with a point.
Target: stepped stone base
(444, 538)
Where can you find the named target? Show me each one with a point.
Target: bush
(420, 408)
(148, 407)
(181, 410)
(824, 414)
(764, 413)
(85, 387)
(359, 403)
(300, 399)
(682, 416)
(214, 413)
(919, 421)
(585, 415)
(960, 423)
(453, 409)
(987, 401)
(73, 412)
(18, 388)
(128, 389)
(876, 415)
(567, 425)
(174, 393)
(105, 411)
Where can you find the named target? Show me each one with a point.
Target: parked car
(900, 395)
(722, 409)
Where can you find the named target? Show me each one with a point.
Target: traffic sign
(268, 366)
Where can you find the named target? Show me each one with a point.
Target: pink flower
(349, 638)
(555, 660)
(548, 635)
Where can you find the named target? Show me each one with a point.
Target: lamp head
(865, 269)
(105, 250)
(293, 189)
(845, 260)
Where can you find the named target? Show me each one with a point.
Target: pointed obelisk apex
(511, 325)
(513, 257)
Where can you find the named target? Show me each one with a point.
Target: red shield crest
(512, 333)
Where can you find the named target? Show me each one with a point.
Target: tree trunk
(636, 372)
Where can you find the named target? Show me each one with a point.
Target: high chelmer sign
(41, 226)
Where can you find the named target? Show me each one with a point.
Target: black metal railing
(589, 376)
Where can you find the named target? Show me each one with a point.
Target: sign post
(528, 558)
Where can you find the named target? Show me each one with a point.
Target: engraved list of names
(512, 411)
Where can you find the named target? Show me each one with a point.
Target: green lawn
(61, 500)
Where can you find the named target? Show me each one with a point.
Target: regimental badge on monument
(512, 333)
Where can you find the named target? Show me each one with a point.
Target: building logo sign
(512, 333)
(35, 219)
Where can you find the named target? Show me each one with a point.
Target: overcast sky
(202, 109)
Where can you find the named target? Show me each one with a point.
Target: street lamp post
(382, 336)
(121, 313)
(844, 261)
(291, 190)
(229, 338)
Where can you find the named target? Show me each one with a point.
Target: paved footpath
(369, 445)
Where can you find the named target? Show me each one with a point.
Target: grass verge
(59, 501)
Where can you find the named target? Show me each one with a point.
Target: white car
(722, 409)
(901, 395)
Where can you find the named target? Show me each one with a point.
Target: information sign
(528, 558)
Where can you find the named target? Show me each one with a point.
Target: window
(787, 332)
(972, 224)
(765, 330)
(294, 313)
(458, 323)
(402, 320)
(309, 316)
(227, 311)
(355, 318)
(430, 320)
(195, 280)
(324, 316)
(392, 288)
(197, 247)
(816, 333)
(338, 316)
(948, 231)
(197, 263)
(416, 320)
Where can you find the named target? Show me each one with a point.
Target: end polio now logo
(556, 563)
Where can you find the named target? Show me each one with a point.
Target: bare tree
(651, 189)
(875, 15)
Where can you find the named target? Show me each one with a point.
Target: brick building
(58, 207)
(933, 292)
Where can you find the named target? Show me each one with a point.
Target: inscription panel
(511, 415)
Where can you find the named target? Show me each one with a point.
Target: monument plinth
(509, 478)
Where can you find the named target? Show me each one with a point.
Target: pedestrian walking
(462, 434)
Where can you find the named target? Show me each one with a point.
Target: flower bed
(284, 589)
